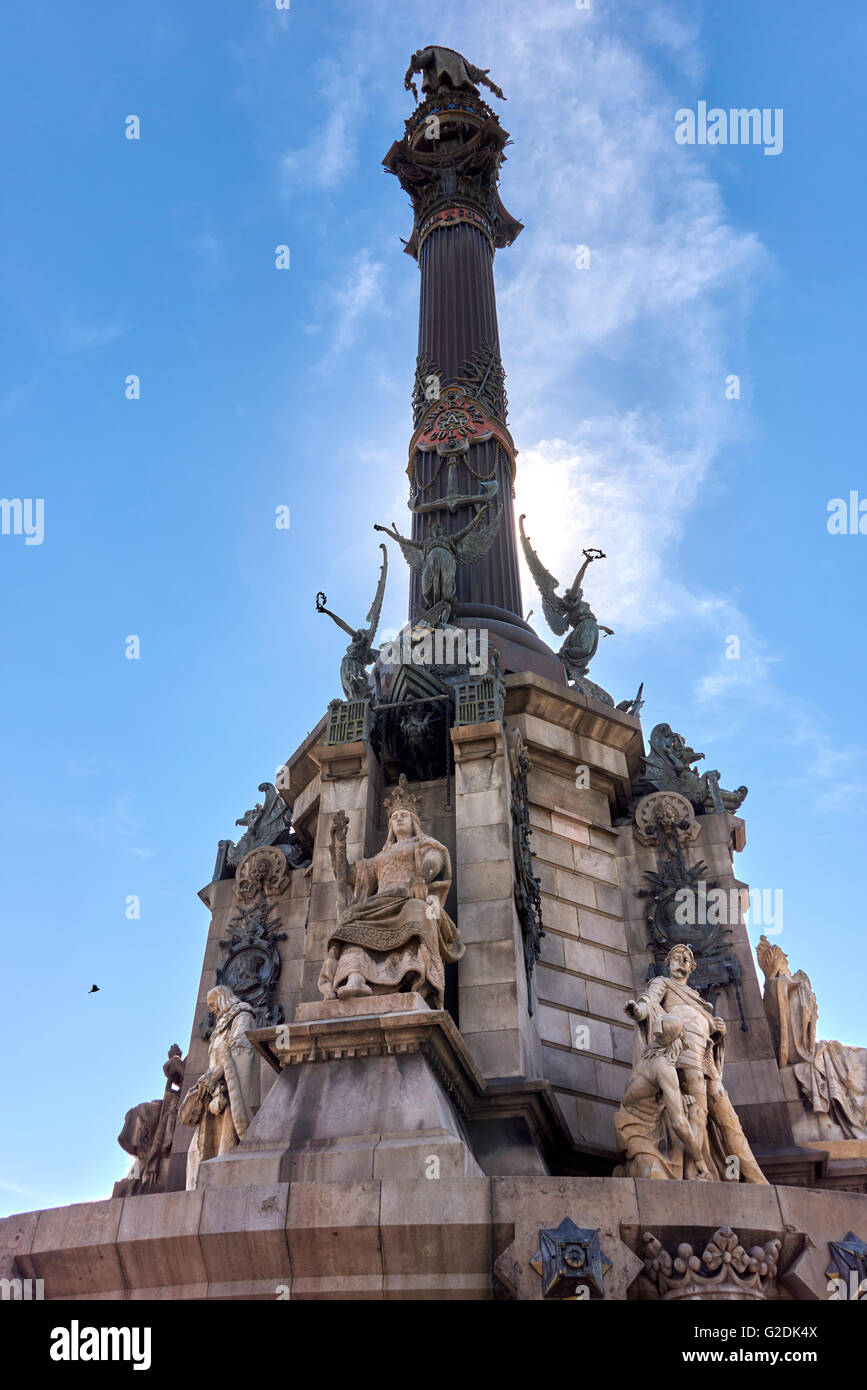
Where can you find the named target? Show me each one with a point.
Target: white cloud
(324, 160)
(670, 282)
(77, 768)
(84, 335)
(360, 293)
(643, 339)
(208, 248)
(19, 1191)
(11, 399)
(116, 822)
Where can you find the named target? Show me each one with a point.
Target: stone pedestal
(367, 1088)
(427, 1150)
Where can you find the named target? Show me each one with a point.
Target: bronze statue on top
(567, 611)
(445, 68)
(361, 651)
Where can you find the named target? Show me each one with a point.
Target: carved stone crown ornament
(666, 821)
(400, 798)
(723, 1271)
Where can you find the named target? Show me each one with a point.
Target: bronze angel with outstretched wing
(361, 651)
(437, 556)
(567, 612)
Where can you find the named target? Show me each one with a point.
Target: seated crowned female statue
(393, 932)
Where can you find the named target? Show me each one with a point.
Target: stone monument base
(462, 1238)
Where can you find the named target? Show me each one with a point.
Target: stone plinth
(369, 1006)
(360, 1095)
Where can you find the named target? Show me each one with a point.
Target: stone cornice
(527, 693)
(301, 766)
(433, 1033)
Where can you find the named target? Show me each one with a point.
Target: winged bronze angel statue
(437, 557)
(361, 651)
(567, 612)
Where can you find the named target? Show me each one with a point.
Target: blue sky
(262, 388)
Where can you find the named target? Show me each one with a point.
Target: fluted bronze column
(448, 162)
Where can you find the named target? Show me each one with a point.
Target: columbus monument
(467, 1026)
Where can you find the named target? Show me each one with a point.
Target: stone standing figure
(790, 1005)
(361, 651)
(148, 1131)
(393, 932)
(832, 1076)
(567, 612)
(437, 557)
(220, 1105)
(649, 1143)
(654, 1102)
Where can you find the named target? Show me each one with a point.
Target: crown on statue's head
(400, 798)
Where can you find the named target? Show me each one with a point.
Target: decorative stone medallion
(680, 912)
(261, 872)
(664, 814)
(251, 963)
(453, 422)
(569, 1257)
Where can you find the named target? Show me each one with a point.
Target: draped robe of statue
(831, 1075)
(581, 644)
(645, 1142)
(834, 1083)
(220, 1103)
(438, 575)
(148, 1131)
(790, 1006)
(395, 934)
